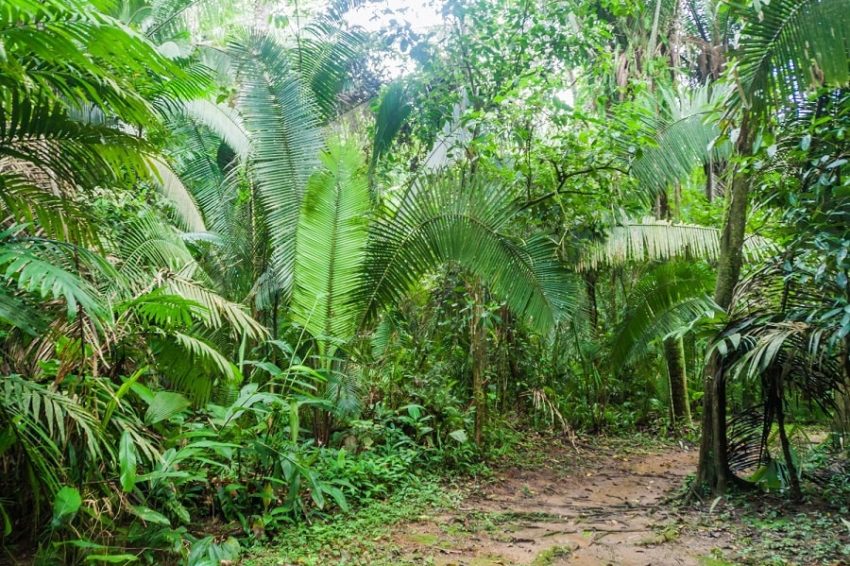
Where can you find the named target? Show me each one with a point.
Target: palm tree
(772, 70)
(670, 297)
(352, 260)
(81, 95)
(787, 48)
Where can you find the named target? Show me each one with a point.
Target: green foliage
(437, 222)
(214, 311)
(776, 64)
(331, 245)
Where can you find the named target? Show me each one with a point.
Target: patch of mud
(577, 508)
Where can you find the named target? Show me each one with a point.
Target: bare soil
(607, 505)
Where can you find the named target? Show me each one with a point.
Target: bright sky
(423, 15)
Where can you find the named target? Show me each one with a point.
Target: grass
(360, 537)
(550, 555)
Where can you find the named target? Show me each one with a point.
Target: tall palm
(787, 48)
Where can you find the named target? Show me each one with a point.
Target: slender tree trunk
(478, 352)
(674, 352)
(779, 399)
(590, 278)
(713, 470)
(841, 424)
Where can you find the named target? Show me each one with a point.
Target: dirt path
(601, 506)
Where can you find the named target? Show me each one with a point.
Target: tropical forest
(425, 282)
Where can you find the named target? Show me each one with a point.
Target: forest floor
(606, 506)
(615, 502)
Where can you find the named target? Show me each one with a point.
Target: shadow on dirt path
(600, 506)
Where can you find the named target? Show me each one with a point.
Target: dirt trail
(580, 509)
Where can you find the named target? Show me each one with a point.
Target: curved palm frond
(325, 53)
(42, 422)
(789, 47)
(37, 130)
(684, 135)
(27, 199)
(17, 313)
(669, 299)
(439, 222)
(175, 191)
(286, 142)
(392, 113)
(654, 240)
(224, 122)
(70, 48)
(47, 268)
(218, 310)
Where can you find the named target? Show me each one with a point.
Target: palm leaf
(16, 312)
(36, 266)
(682, 132)
(789, 47)
(439, 222)
(331, 245)
(654, 240)
(667, 300)
(392, 113)
(286, 142)
(172, 188)
(224, 121)
(324, 53)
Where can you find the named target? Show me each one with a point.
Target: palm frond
(172, 187)
(37, 130)
(789, 47)
(195, 367)
(442, 221)
(282, 124)
(667, 300)
(25, 192)
(392, 113)
(43, 422)
(223, 121)
(654, 240)
(39, 267)
(331, 244)
(683, 133)
(325, 53)
(17, 313)
(218, 310)
(70, 48)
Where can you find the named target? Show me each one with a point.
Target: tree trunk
(796, 493)
(674, 352)
(841, 426)
(713, 470)
(478, 352)
(590, 278)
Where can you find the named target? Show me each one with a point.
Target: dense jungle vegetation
(271, 268)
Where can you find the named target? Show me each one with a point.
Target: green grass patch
(359, 537)
(550, 555)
